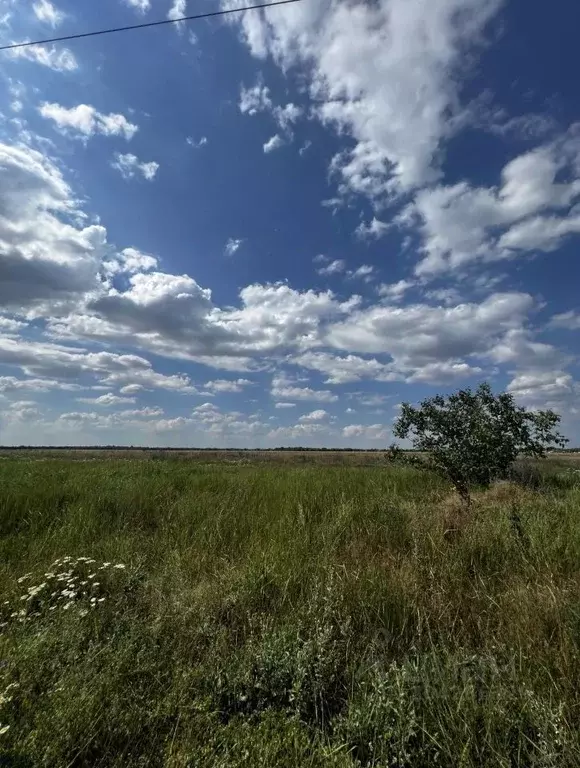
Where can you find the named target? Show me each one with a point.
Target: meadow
(227, 610)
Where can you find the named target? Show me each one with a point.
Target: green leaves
(473, 438)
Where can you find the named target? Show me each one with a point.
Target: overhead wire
(94, 33)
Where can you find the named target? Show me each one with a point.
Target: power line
(144, 24)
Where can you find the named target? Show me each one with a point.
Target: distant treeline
(298, 448)
(182, 448)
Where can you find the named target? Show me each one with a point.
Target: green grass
(295, 615)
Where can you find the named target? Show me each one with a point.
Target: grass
(285, 615)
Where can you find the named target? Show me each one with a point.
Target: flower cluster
(80, 584)
(6, 698)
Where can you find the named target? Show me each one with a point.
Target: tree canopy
(473, 437)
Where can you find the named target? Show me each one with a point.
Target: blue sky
(273, 228)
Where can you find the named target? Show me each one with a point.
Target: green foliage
(473, 438)
(284, 617)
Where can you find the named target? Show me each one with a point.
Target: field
(224, 610)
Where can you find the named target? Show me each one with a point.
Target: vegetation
(286, 615)
(473, 438)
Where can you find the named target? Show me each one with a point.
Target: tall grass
(286, 616)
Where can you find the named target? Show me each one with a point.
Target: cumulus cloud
(140, 5)
(374, 230)
(420, 335)
(386, 73)
(255, 99)
(299, 431)
(530, 210)
(173, 315)
(57, 59)
(284, 388)
(394, 291)
(46, 258)
(130, 166)
(555, 389)
(318, 415)
(14, 384)
(45, 11)
(331, 267)
(364, 272)
(219, 386)
(341, 370)
(569, 320)
(107, 400)
(85, 121)
(369, 432)
(129, 261)
(273, 143)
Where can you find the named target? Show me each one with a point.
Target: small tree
(473, 438)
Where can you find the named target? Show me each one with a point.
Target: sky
(272, 228)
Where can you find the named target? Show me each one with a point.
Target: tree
(473, 438)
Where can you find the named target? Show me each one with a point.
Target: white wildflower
(119, 565)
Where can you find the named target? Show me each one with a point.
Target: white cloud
(9, 325)
(107, 400)
(233, 244)
(364, 272)
(43, 257)
(338, 266)
(273, 143)
(285, 405)
(131, 389)
(178, 10)
(462, 224)
(287, 115)
(140, 5)
(196, 144)
(285, 389)
(173, 315)
(298, 431)
(227, 385)
(370, 432)
(130, 166)
(340, 370)
(59, 60)
(86, 121)
(129, 261)
(13, 384)
(333, 267)
(394, 291)
(385, 73)
(426, 340)
(318, 415)
(374, 230)
(553, 389)
(45, 11)
(569, 320)
(255, 99)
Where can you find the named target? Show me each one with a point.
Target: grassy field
(232, 612)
